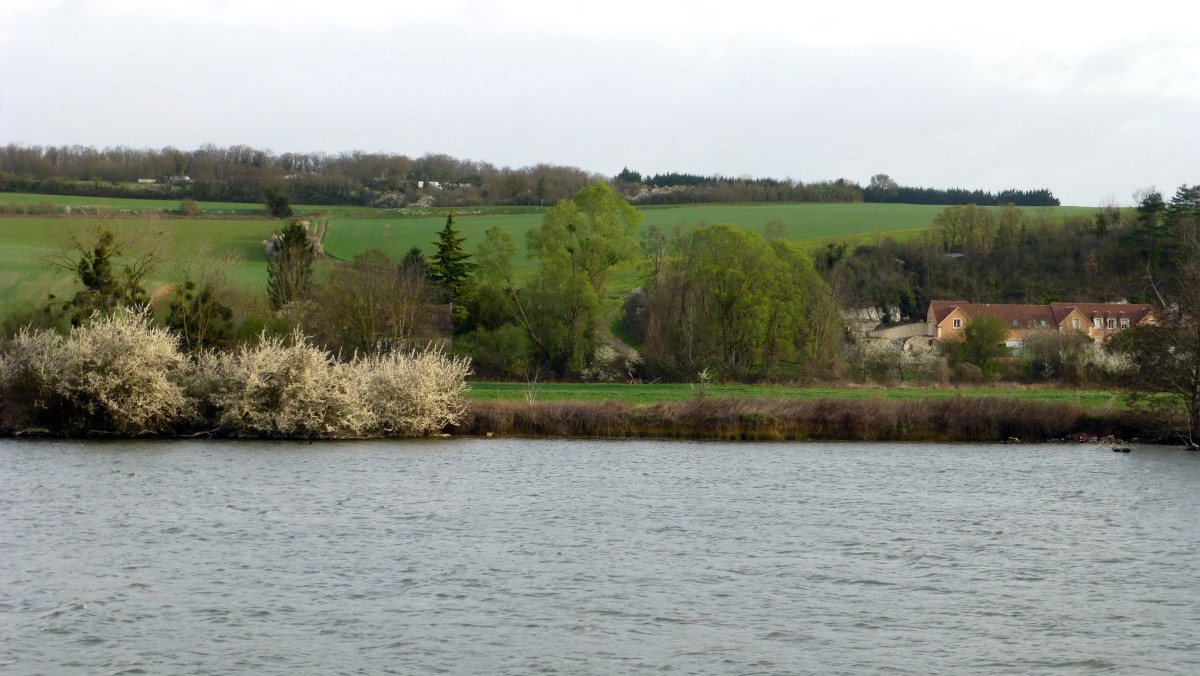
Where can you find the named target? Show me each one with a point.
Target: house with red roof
(946, 319)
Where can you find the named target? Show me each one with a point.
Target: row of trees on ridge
(243, 174)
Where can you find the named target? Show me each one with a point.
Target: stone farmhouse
(946, 319)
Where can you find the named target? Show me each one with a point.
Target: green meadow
(10, 202)
(806, 224)
(803, 223)
(125, 204)
(28, 242)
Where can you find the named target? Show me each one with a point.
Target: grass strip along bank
(663, 392)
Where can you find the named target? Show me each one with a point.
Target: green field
(26, 242)
(804, 223)
(137, 205)
(656, 392)
(126, 205)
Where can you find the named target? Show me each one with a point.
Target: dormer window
(1112, 323)
(1098, 322)
(1124, 322)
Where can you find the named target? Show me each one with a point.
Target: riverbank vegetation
(753, 419)
(591, 289)
(119, 374)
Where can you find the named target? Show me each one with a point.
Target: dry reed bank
(753, 419)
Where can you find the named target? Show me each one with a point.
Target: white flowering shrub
(116, 373)
(284, 388)
(1107, 364)
(295, 389)
(608, 365)
(883, 361)
(119, 374)
(413, 394)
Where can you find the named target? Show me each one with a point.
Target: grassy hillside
(12, 202)
(26, 242)
(123, 204)
(799, 222)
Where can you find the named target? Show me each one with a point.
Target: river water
(595, 557)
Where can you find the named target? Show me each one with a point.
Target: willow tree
(579, 242)
(732, 302)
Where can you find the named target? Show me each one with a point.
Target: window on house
(1112, 323)
(1043, 323)
(1014, 322)
(958, 323)
(1097, 321)
(1075, 323)
(1124, 322)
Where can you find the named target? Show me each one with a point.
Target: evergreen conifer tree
(450, 268)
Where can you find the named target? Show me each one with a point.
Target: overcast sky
(1090, 102)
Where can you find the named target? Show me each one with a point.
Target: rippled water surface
(489, 556)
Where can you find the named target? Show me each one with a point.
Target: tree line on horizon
(882, 188)
(241, 173)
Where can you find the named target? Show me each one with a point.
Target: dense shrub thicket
(122, 375)
(115, 374)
